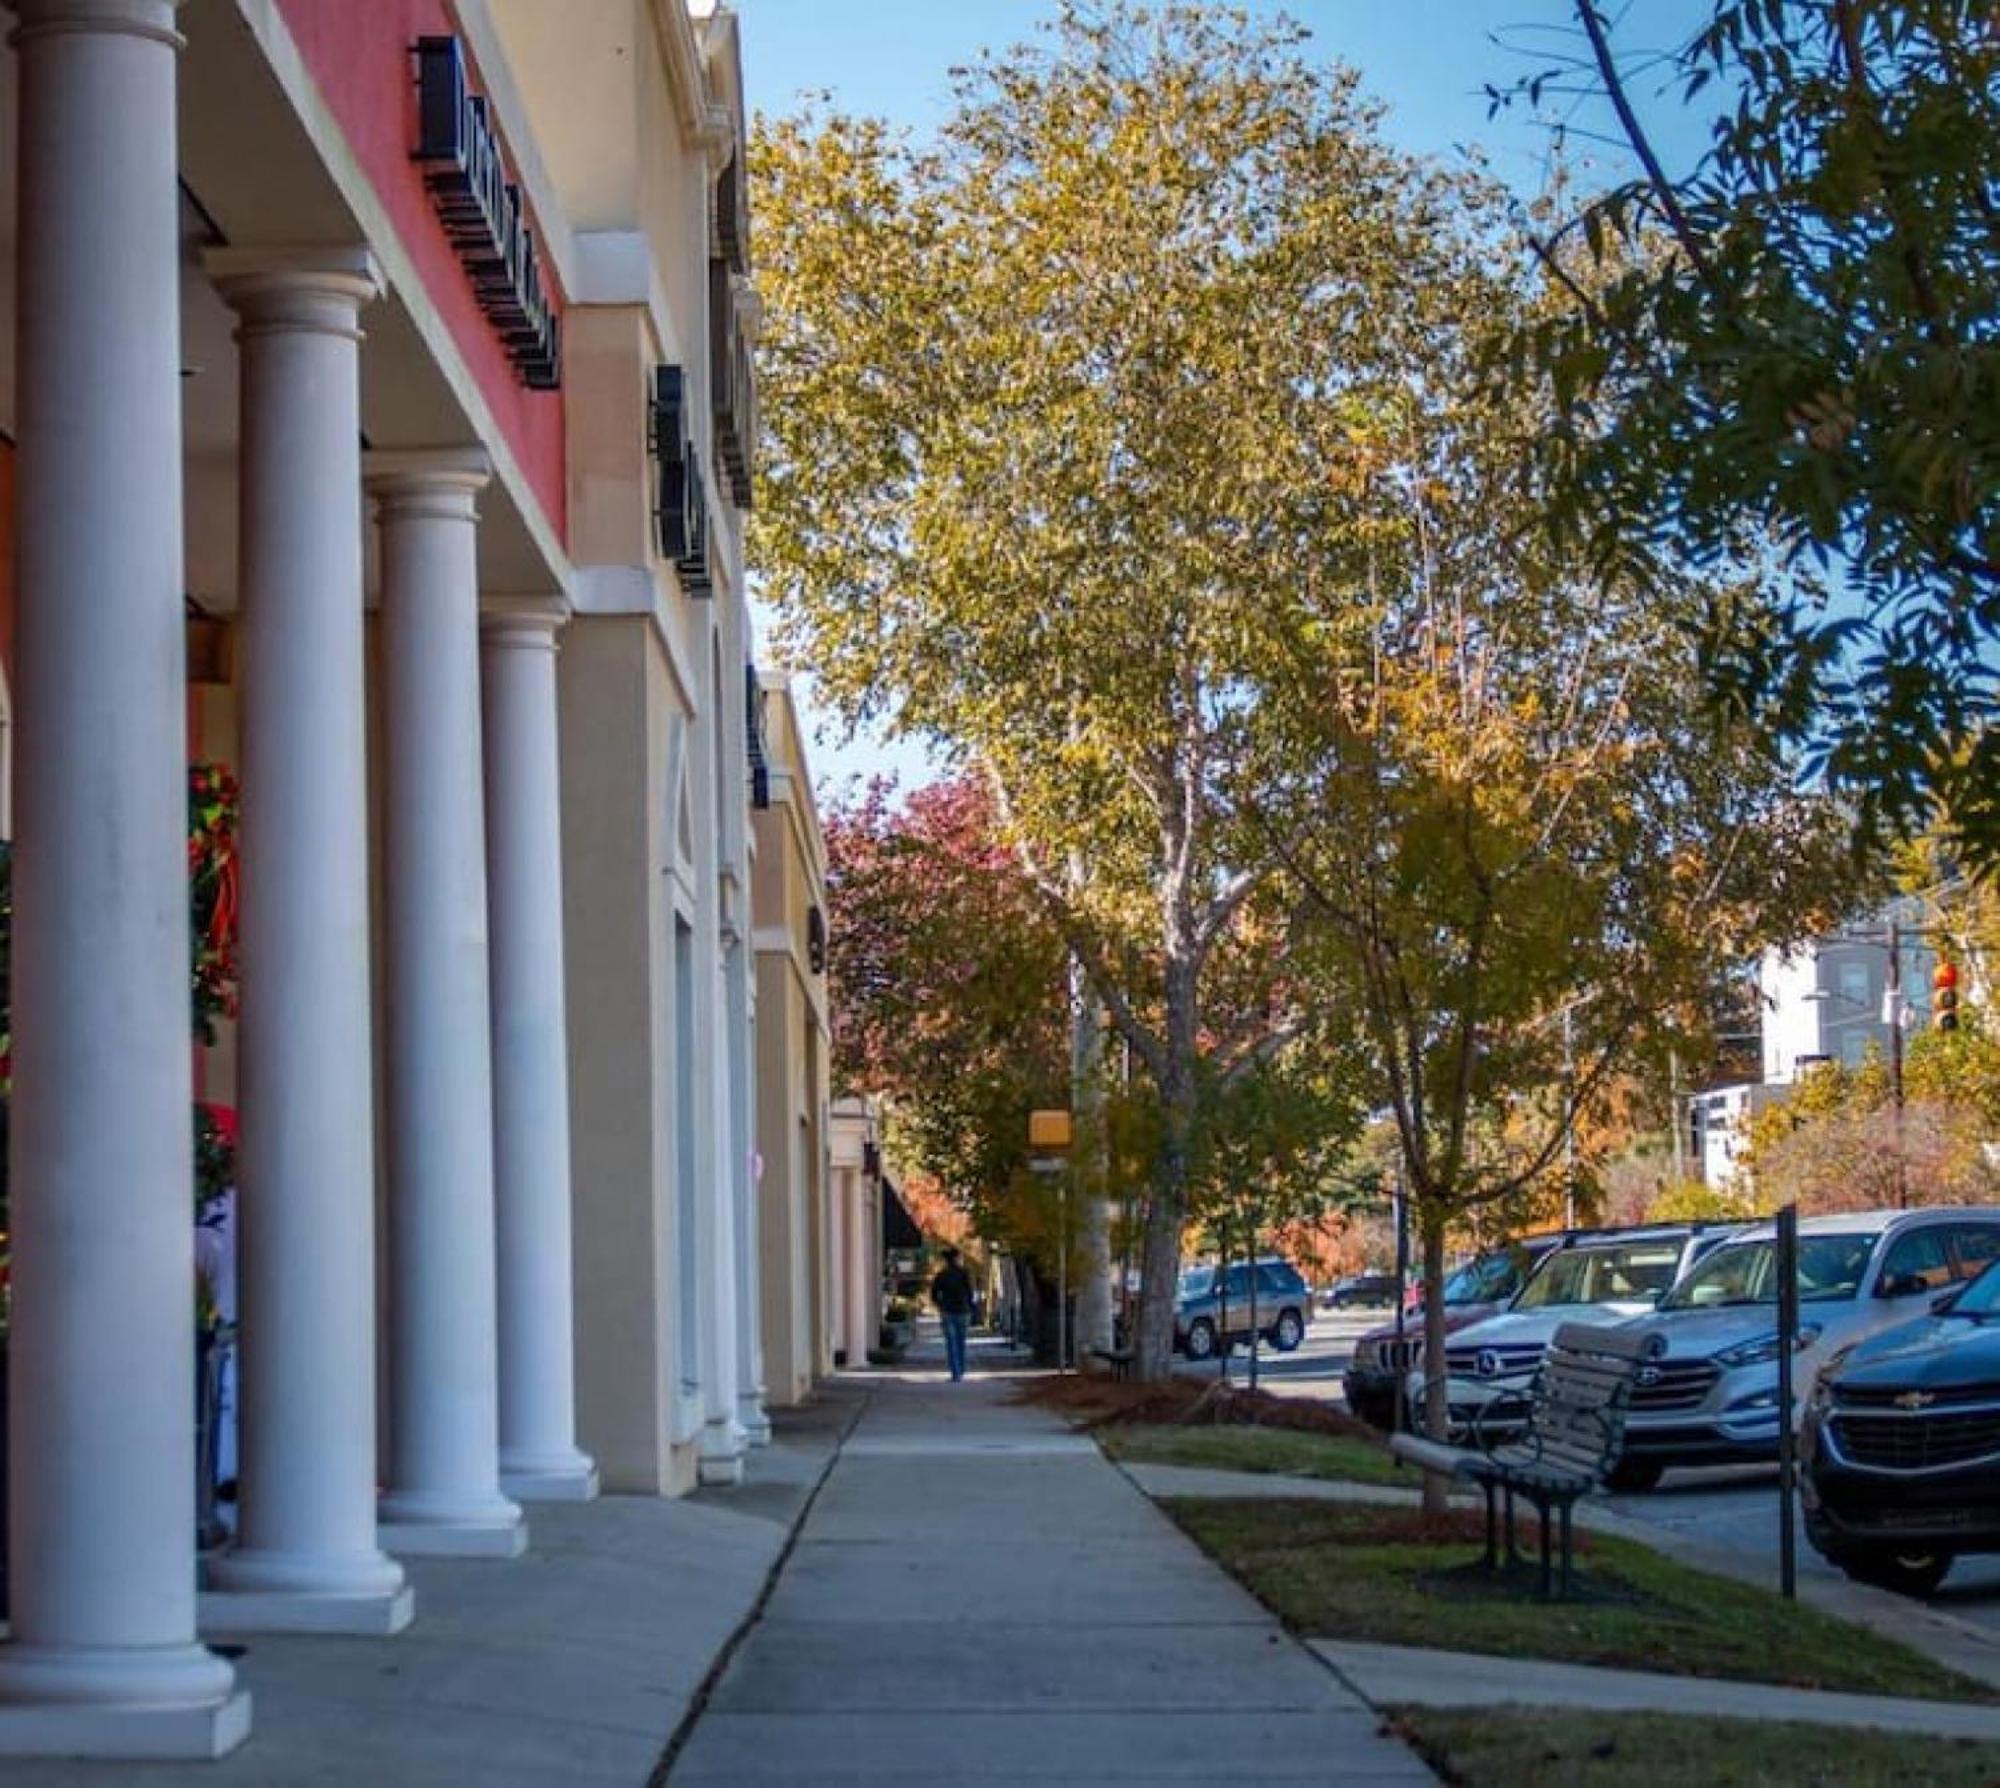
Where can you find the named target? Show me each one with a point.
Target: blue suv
(1213, 1309)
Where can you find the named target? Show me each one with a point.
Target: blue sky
(1427, 61)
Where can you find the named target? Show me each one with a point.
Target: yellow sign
(1048, 1129)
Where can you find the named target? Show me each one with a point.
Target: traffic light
(1944, 996)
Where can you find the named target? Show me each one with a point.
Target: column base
(131, 1734)
(128, 1701)
(550, 1481)
(750, 1417)
(421, 1524)
(453, 1539)
(721, 1454)
(227, 1611)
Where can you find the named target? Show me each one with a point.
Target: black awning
(899, 1228)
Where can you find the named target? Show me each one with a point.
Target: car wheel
(1289, 1332)
(1634, 1475)
(1201, 1340)
(1912, 1573)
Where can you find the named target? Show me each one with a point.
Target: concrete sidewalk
(978, 1596)
(573, 1664)
(1395, 1675)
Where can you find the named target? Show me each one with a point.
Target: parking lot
(1733, 1510)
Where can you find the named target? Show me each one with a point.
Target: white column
(720, 1455)
(443, 1490)
(102, 1658)
(306, 1557)
(750, 1413)
(538, 1453)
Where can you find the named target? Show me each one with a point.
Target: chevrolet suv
(1901, 1444)
(1602, 1276)
(1214, 1308)
(1709, 1395)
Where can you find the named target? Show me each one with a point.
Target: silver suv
(1216, 1304)
(1604, 1276)
(1710, 1394)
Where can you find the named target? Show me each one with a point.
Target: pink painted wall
(360, 59)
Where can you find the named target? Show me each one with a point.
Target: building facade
(789, 904)
(405, 346)
(1831, 999)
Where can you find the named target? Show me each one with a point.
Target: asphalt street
(1736, 1510)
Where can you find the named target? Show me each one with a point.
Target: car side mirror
(1945, 1299)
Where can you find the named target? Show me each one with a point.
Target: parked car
(1360, 1288)
(1214, 1307)
(1901, 1444)
(1605, 1276)
(1710, 1396)
(1480, 1288)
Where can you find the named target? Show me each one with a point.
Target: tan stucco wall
(615, 714)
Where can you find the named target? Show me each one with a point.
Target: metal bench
(1117, 1360)
(1575, 1432)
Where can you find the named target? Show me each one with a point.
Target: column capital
(152, 19)
(435, 481)
(526, 623)
(317, 290)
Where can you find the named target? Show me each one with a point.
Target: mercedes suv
(1603, 1276)
(1482, 1287)
(1709, 1395)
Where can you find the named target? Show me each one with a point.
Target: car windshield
(1621, 1273)
(1981, 1297)
(1486, 1279)
(1830, 1268)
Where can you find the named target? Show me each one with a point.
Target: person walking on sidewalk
(951, 1291)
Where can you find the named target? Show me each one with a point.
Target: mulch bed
(1098, 1402)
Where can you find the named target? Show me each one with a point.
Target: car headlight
(1764, 1349)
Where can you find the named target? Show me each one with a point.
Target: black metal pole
(1788, 1335)
(1251, 1250)
(1222, 1313)
(1400, 1417)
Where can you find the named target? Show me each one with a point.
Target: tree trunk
(1093, 1291)
(1436, 1414)
(1166, 1219)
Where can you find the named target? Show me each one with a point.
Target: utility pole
(1569, 1115)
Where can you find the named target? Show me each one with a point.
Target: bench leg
(1492, 1558)
(1542, 1510)
(1568, 1510)
(1513, 1551)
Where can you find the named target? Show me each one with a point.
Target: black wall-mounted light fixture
(680, 502)
(816, 940)
(871, 1159)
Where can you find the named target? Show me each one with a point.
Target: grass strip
(1282, 1451)
(1396, 1577)
(1514, 1747)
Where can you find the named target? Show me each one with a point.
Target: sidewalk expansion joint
(705, 1689)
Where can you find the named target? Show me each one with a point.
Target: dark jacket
(951, 1291)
